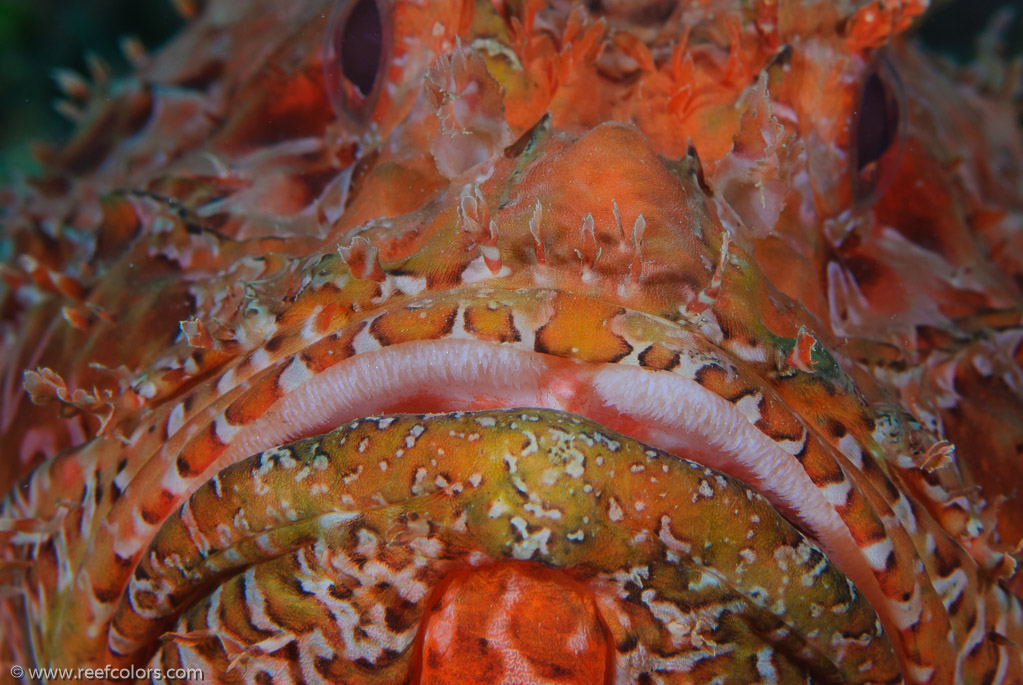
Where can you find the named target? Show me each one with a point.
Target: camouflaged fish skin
(520, 342)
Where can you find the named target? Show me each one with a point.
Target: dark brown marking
(657, 356)
(156, 509)
(835, 428)
(720, 382)
(184, 469)
(275, 343)
(401, 616)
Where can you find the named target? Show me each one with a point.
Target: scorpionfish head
(502, 341)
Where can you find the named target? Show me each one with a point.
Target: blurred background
(37, 36)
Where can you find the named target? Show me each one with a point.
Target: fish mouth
(660, 408)
(657, 408)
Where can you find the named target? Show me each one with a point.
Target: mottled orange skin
(548, 620)
(664, 191)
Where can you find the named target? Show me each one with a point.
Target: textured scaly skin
(218, 236)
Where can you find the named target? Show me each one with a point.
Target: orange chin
(514, 624)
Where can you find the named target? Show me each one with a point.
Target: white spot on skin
(746, 352)
(536, 509)
(793, 447)
(417, 484)
(477, 271)
(550, 477)
(364, 341)
(612, 445)
(749, 406)
(239, 521)
(224, 535)
(260, 358)
(225, 430)
(147, 389)
(226, 382)
(367, 543)
(837, 494)
(285, 460)
(531, 542)
(904, 513)
(531, 447)
(810, 579)
(176, 419)
(765, 666)
(666, 537)
(906, 614)
(950, 588)
(614, 511)
(410, 285)
(574, 463)
(705, 580)
(851, 449)
(294, 376)
(413, 435)
(982, 365)
(497, 508)
(878, 553)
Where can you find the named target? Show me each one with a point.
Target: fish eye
(355, 49)
(879, 133)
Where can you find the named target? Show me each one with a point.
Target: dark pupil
(878, 122)
(361, 42)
